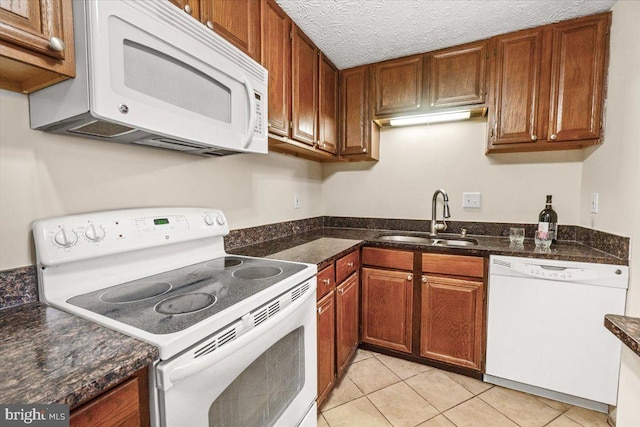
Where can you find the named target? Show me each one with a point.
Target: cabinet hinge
(495, 51)
(291, 35)
(291, 125)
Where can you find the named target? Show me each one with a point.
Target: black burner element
(139, 292)
(187, 303)
(225, 262)
(259, 272)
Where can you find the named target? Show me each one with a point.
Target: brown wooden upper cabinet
(359, 135)
(238, 21)
(36, 44)
(276, 58)
(457, 76)
(398, 86)
(547, 86)
(328, 106)
(304, 88)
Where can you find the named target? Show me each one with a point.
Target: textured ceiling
(356, 32)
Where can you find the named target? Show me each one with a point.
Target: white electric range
(225, 325)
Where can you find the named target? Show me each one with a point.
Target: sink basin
(437, 241)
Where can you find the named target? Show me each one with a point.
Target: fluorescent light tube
(431, 118)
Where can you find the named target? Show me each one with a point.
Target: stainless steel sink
(437, 241)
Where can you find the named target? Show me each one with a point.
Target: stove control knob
(220, 219)
(94, 234)
(208, 219)
(65, 238)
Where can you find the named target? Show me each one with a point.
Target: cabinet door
(304, 91)
(515, 89)
(191, 7)
(579, 52)
(36, 44)
(238, 21)
(359, 135)
(346, 321)
(458, 75)
(387, 301)
(328, 106)
(452, 326)
(276, 58)
(398, 86)
(326, 345)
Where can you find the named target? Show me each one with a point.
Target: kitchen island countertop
(626, 328)
(50, 356)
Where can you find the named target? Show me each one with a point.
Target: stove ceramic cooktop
(175, 300)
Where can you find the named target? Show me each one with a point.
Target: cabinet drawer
(119, 406)
(347, 265)
(326, 282)
(455, 265)
(401, 260)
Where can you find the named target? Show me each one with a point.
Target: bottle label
(543, 226)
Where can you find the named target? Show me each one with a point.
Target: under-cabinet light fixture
(449, 116)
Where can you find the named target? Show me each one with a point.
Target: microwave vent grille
(102, 129)
(185, 146)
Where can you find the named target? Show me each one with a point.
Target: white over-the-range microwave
(149, 74)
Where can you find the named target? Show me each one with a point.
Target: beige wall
(613, 171)
(415, 161)
(43, 175)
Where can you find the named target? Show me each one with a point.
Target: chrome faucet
(435, 227)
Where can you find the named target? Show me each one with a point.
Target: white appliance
(545, 328)
(237, 335)
(149, 74)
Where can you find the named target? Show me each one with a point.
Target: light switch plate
(471, 200)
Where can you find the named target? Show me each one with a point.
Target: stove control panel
(76, 237)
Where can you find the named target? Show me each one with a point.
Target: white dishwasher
(545, 328)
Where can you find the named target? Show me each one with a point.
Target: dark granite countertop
(487, 245)
(626, 328)
(49, 356)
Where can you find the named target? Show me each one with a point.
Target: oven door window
(262, 392)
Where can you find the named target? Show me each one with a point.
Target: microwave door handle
(252, 111)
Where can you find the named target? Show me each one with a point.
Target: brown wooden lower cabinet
(346, 322)
(326, 345)
(127, 404)
(337, 317)
(387, 308)
(452, 320)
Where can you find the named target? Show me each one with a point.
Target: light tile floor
(379, 390)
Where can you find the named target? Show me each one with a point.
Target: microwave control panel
(259, 126)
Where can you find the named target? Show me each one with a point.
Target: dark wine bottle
(548, 220)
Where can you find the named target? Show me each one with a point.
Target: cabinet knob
(326, 281)
(534, 137)
(410, 277)
(187, 8)
(364, 150)
(341, 291)
(350, 264)
(424, 279)
(210, 25)
(553, 137)
(56, 44)
(319, 310)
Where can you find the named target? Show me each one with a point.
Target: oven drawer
(347, 265)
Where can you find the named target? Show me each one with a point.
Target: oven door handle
(171, 375)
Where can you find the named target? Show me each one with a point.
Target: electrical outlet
(296, 201)
(594, 203)
(471, 200)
